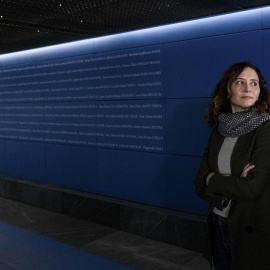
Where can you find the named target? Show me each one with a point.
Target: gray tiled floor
(130, 250)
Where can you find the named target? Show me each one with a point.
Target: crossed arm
(245, 171)
(252, 180)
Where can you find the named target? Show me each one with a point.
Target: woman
(234, 175)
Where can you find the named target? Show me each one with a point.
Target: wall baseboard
(173, 227)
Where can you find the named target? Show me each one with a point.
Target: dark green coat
(249, 217)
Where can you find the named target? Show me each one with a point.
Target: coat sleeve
(200, 183)
(202, 173)
(200, 179)
(251, 187)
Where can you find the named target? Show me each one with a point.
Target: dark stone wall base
(165, 225)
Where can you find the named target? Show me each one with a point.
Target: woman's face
(244, 91)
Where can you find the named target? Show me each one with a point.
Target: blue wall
(122, 115)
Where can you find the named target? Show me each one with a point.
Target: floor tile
(37, 239)
(78, 260)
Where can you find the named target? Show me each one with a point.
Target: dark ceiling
(26, 24)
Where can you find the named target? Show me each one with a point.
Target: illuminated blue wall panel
(132, 125)
(266, 17)
(266, 43)
(25, 160)
(23, 121)
(129, 74)
(133, 176)
(70, 123)
(122, 115)
(185, 120)
(2, 155)
(197, 65)
(181, 193)
(72, 166)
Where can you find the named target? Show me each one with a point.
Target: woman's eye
(239, 82)
(254, 84)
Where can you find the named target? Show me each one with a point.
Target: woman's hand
(208, 177)
(246, 169)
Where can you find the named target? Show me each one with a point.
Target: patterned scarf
(240, 123)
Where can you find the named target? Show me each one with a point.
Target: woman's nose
(247, 88)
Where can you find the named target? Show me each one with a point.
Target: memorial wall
(122, 115)
(56, 101)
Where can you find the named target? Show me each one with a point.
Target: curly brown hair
(221, 102)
